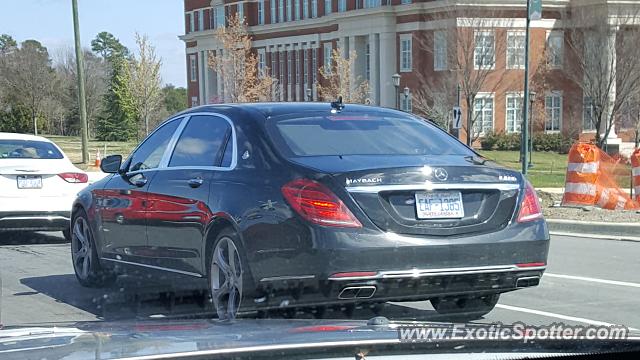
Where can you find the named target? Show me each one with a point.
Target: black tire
(465, 307)
(67, 234)
(84, 256)
(242, 285)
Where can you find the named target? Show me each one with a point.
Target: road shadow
(30, 238)
(133, 297)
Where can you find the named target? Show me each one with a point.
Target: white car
(38, 184)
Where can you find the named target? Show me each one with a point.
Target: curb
(594, 229)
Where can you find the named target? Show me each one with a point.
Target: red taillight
(72, 177)
(530, 208)
(316, 203)
(528, 265)
(352, 274)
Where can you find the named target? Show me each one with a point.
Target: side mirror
(111, 164)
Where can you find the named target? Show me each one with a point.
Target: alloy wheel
(81, 248)
(226, 279)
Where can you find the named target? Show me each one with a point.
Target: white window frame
(281, 61)
(289, 67)
(262, 60)
(305, 9)
(192, 25)
(314, 65)
(369, 4)
(328, 7)
(298, 63)
(406, 103)
(193, 68)
(550, 53)
(240, 10)
(260, 12)
(342, 5)
(476, 57)
(367, 61)
(296, 10)
(274, 11)
(588, 110)
(517, 112)
(220, 16)
(305, 70)
(327, 50)
(314, 8)
(509, 53)
(281, 10)
(484, 97)
(406, 55)
(274, 64)
(201, 20)
(289, 5)
(440, 61)
(553, 94)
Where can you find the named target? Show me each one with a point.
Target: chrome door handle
(140, 182)
(195, 182)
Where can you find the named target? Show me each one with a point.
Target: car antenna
(337, 106)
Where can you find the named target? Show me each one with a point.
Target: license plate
(439, 205)
(29, 182)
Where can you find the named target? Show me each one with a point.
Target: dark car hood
(280, 338)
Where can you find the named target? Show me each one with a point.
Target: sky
(51, 23)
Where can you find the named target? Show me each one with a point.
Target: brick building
(293, 38)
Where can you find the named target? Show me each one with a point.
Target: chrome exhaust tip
(527, 281)
(357, 292)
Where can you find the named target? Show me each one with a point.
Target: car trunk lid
(385, 188)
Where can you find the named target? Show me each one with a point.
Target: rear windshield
(360, 134)
(28, 149)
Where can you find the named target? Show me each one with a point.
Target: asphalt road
(588, 282)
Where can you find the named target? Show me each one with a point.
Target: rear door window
(202, 143)
(361, 134)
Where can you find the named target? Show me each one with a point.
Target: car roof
(16, 136)
(272, 109)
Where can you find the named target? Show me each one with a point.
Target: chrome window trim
(287, 277)
(153, 267)
(418, 273)
(180, 118)
(166, 157)
(433, 186)
(164, 164)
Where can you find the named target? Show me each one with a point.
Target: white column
(388, 57)
(201, 78)
(373, 69)
(288, 65)
(205, 65)
(610, 53)
(219, 83)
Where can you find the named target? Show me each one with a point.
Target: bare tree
(471, 46)
(237, 64)
(605, 53)
(96, 83)
(435, 97)
(143, 72)
(339, 80)
(26, 74)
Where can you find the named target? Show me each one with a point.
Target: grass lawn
(72, 146)
(549, 169)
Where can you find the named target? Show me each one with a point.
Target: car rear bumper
(356, 266)
(35, 220)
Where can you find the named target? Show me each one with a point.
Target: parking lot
(588, 281)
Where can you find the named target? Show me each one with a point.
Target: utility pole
(84, 132)
(534, 11)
